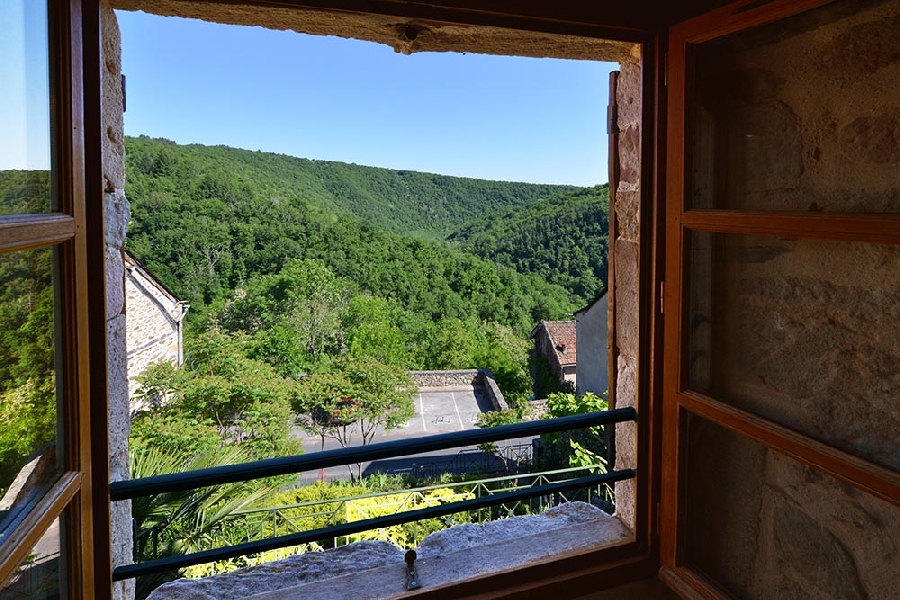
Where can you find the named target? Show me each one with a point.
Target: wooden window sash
(22, 538)
(66, 230)
(853, 470)
(680, 220)
(863, 227)
(26, 232)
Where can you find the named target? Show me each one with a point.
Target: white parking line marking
(456, 406)
(422, 412)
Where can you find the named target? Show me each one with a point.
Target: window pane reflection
(38, 576)
(802, 332)
(24, 108)
(29, 461)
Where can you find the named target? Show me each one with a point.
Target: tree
(219, 397)
(176, 523)
(360, 395)
(582, 448)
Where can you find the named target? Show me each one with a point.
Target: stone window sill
(376, 570)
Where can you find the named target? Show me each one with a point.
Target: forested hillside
(407, 202)
(563, 239)
(206, 227)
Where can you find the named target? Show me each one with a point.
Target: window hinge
(665, 69)
(662, 293)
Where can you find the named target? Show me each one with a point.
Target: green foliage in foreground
(579, 448)
(178, 523)
(359, 395)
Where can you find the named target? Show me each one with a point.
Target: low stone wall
(473, 377)
(493, 392)
(446, 378)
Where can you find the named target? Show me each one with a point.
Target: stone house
(154, 318)
(754, 256)
(557, 343)
(591, 325)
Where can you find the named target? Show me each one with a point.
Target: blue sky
(24, 81)
(507, 118)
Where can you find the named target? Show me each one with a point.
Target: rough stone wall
(801, 115)
(446, 378)
(593, 353)
(627, 275)
(117, 215)
(153, 324)
(426, 36)
(767, 526)
(543, 346)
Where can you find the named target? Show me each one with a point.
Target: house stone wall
(153, 321)
(797, 116)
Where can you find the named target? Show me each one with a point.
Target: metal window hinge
(662, 295)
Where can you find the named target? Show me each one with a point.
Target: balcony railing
(177, 482)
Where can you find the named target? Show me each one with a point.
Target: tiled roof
(562, 334)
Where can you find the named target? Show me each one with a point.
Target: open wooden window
(781, 469)
(46, 521)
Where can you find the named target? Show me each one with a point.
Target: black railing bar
(437, 486)
(286, 465)
(171, 563)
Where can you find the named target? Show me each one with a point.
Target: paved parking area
(438, 410)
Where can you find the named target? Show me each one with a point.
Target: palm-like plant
(177, 523)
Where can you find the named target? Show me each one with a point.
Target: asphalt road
(438, 410)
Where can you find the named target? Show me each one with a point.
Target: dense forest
(411, 203)
(564, 239)
(27, 383)
(293, 267)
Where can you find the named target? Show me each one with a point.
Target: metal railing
(177, 482)
(286, 516)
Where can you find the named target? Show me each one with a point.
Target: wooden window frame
(76, 231)
(678, 399)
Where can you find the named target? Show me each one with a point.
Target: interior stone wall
(801, 115)
(117, 213)
(766, 526)
(402, 34)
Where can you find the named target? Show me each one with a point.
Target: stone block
(628, 219)
(115, 283)
(626, 290)
(112, 102)
(117, 212)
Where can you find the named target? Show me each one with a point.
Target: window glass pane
(24, 108)
(29, 460)
(39, 575)
(801, 114)
(763, 525)
(802, 332)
